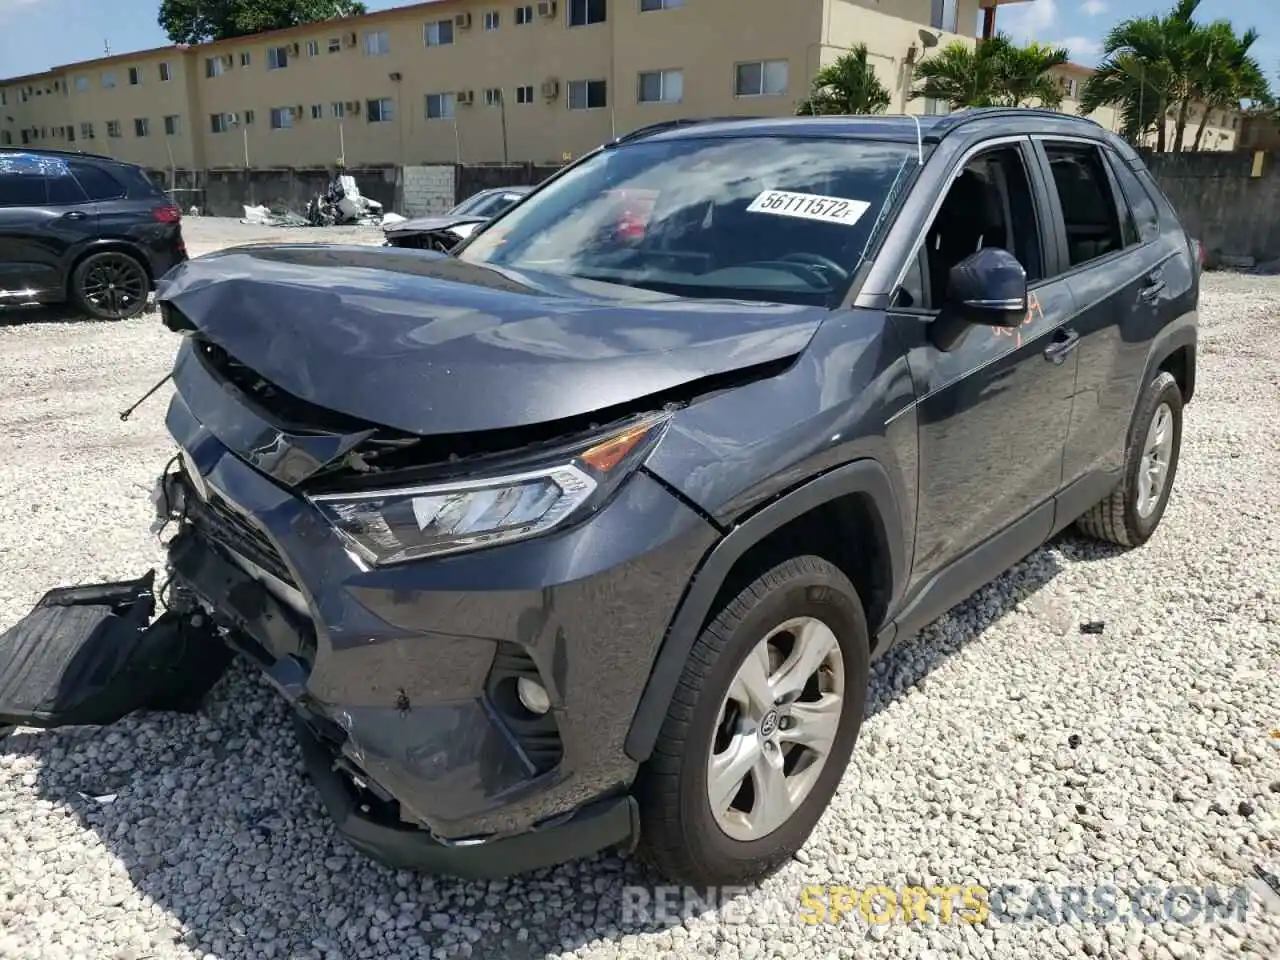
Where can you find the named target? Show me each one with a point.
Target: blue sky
(38, 34)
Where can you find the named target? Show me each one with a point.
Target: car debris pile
(341, 204)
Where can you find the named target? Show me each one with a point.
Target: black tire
(679, 834)
(1117, 519)
(112, 285)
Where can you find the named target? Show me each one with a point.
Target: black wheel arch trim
(1183, 332)
(864, 476)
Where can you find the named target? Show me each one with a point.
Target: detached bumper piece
(87, 656)
(613, 822)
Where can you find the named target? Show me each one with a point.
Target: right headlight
(409, 523)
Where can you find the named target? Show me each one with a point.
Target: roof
(33, 156)
(899, 128)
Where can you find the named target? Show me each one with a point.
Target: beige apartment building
(471, 81)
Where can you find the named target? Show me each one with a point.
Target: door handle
(75, 215)
(1064, 341)
(1155, 286)
(1152, 291)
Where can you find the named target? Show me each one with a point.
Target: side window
(97, 183)
(1088, 203)
(988, 204)
(1143, 209)
(63, 189)
(22, 190)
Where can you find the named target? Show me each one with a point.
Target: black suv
(586, 533)
(83, 228)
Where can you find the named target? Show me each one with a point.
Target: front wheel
(110, 286)
(760, 729)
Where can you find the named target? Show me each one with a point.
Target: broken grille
(218, 521)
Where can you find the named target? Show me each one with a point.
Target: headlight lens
(396, 525)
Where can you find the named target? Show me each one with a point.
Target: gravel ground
(1004, 746)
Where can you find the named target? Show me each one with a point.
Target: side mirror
(988, 288)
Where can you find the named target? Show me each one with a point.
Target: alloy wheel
(1153, 470)
(114, 285)
(775, 728)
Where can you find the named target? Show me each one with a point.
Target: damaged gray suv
(585, 534)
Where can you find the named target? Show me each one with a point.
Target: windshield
(485, 204)
(783, 220)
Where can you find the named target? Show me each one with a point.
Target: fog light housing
(533, 696)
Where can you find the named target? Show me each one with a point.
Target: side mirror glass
(988, 287)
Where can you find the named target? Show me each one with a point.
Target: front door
(994, 406)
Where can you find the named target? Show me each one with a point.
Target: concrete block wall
(427, 190)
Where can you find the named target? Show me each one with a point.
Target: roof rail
(652, 128)
(971, 114)
(48, 151)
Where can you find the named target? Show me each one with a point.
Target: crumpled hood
(430, 224)
(428, 344)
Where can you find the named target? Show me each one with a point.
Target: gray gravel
(1004, 746)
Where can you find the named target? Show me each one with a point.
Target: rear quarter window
(98, 184)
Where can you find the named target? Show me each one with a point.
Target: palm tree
(995, 73)
(1024, 73)
(960, 75)
(847, 85)
(1225, 73)
(1157, 67)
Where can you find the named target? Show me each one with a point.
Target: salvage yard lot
(1004, 746)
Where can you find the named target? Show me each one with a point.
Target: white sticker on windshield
(810, 206)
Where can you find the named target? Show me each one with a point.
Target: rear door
(1114, 265)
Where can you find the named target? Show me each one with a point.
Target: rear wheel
(1133, 511)
(110, 286)
(760, 729)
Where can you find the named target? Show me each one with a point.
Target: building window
(214, 66)
(377, 43)
(943, 15)
(661, 86)
(524, 14)
(248, 117)
(441, 106)
(317, 111)
(335, 44)
(108, 81)
(381, 111)
(86, 131)
(113, 128)
(493, 97)
(524, 94)
(588, 94)
(82, 84)
(246, 58)
(438, 33)
(936, 108)
(491, 19)
(277, 58)
(172, 125)
(141, 127)
(6, 138)
(648, 5)
(761, 78)
(71, 134)
(135, 76)
(313, 48)
(281, 118)
(165, 75)
(218, 123)
(338, 109)
(583, 13)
